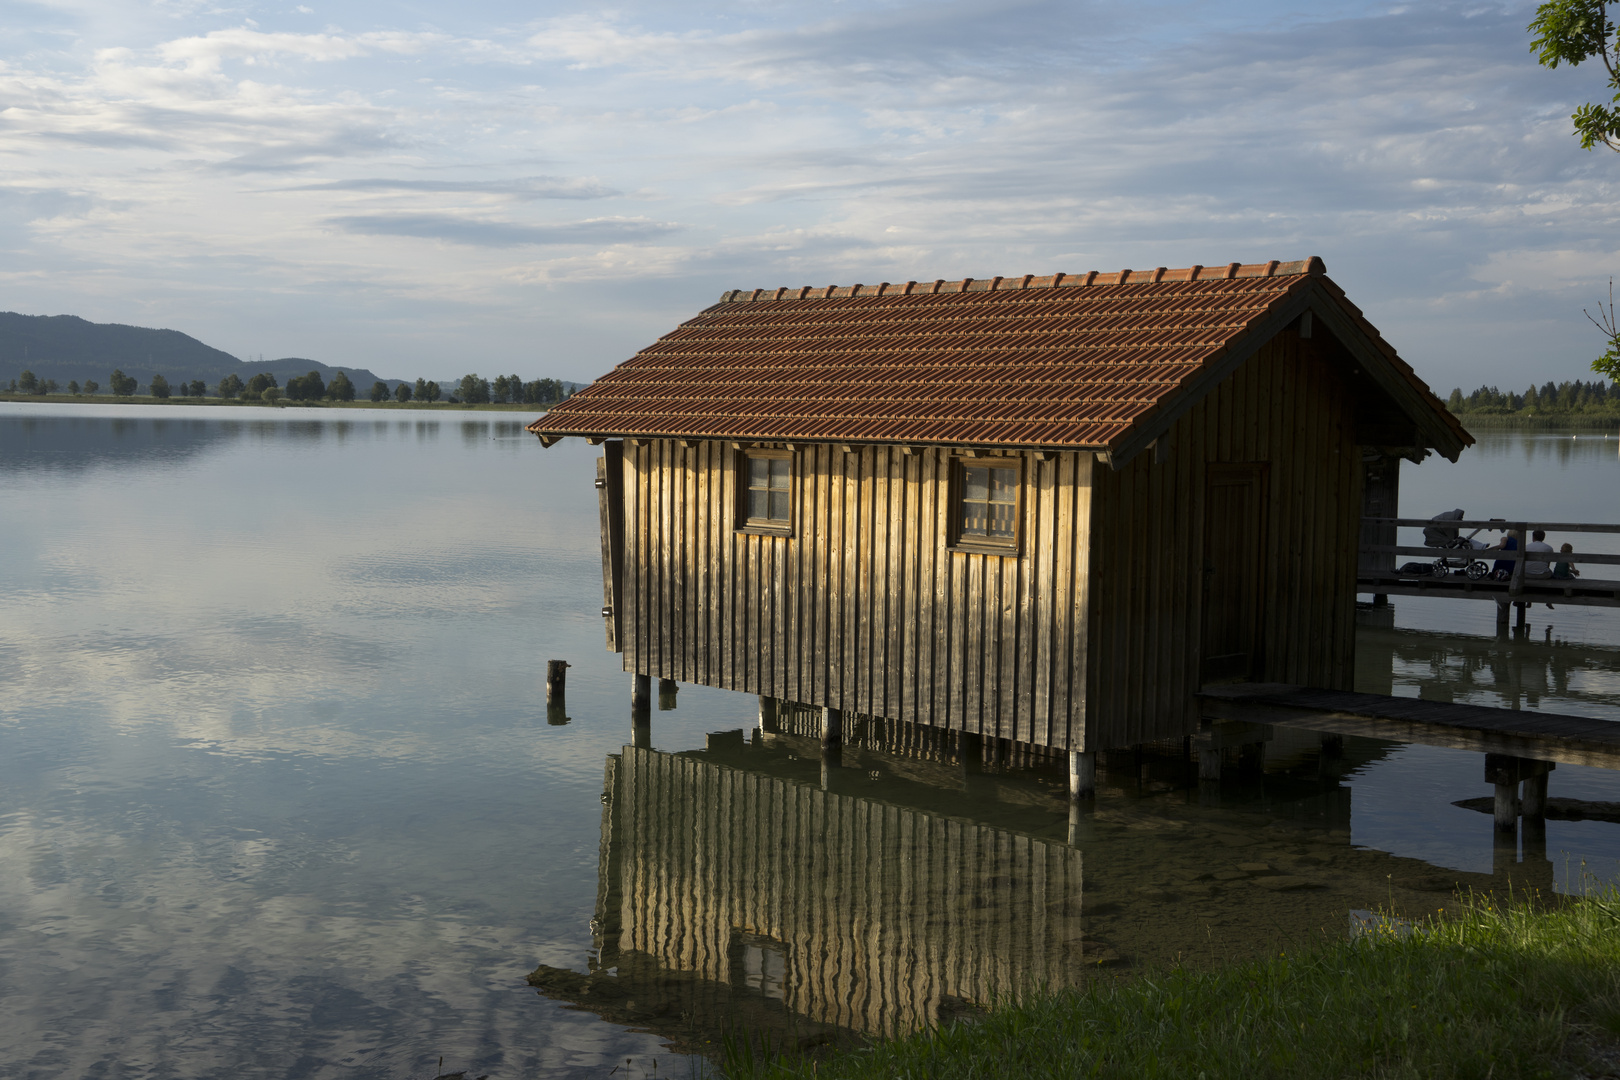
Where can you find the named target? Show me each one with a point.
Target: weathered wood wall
(1290, 408)
(1088, 639)
(884, 913)
(864, 608)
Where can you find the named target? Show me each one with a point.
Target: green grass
(1483, 991)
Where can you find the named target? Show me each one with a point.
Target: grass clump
(1489, 990)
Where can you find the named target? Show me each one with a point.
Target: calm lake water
(281, 797)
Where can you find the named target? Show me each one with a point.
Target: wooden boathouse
(1042, 509)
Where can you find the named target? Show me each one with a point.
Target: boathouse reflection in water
(748, 887)
(852, 913)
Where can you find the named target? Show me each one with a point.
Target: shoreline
(1495, 988)
(283, 403)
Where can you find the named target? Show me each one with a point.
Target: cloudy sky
(431, 188)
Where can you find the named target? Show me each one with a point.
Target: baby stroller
(1441, 535)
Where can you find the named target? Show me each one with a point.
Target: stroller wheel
(1477, 570)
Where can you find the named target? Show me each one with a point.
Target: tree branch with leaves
(1571, 32)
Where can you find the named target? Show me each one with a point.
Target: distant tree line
(1550, 401)
(475, 390)
(472, 390)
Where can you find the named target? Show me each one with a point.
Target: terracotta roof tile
(1063, 360)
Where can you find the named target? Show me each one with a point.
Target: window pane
(976, 484)
(758, 472)
(781, 468)
(1004, 485)
(779, 506)
(1002, 516)
(758, 504)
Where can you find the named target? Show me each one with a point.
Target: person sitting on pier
(1502, 569)
(1564, 570)
(1538, 542)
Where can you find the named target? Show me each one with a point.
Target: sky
(540, 189)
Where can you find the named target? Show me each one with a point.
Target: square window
(985, 504)
(766, 491)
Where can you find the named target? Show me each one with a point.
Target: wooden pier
(1378, 574)
(1543, 736)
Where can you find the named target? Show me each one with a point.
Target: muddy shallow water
(281, 797)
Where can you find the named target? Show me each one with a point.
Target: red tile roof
(1066, 361)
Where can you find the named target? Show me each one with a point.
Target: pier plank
(1576, 740)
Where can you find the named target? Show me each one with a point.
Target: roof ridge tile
(1312, 266)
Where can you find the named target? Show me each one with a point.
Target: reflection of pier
(851, 913)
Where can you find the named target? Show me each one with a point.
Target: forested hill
(66, 347)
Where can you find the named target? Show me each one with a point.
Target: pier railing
(1519, 557)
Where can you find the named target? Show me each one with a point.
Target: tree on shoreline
(402, 392)
(230, 386)
(158, 387)
(122, 385)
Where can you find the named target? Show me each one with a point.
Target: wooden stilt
(641, 696)
(1535, 796)
(1507, 806)
(666, 694)
(768, 715)
(970, 748)
(1082, 774)
(832, 729)
(1209, 764)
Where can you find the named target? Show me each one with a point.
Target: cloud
(207, 51)
(615, 230)
(521, 187)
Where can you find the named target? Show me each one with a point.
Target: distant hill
(64, 347)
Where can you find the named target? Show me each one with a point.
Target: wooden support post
(1380, 600)
(1082, 774)
(1209, 764)
(641, 695)
(1518, 621)
(1333, 746)
(666, 694)
(1503, 772)
(832, 729)
(641, 732)
(769, 718)
(1507, 806)
(1535, 796)
(970, 748)
(832, 742)
(556, 679)
(1502, 618)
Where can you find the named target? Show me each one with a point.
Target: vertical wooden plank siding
(882, 913)
(1289, 410)
(863, 607)
(1088, 638)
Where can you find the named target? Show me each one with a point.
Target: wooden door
(1234, 530)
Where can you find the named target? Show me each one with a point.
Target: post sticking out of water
(556, 680)
(1082, 774)
(970, 747)
(1534, 805)
(768, 722)
(666, 694)
(641, 697)
(832, 742)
